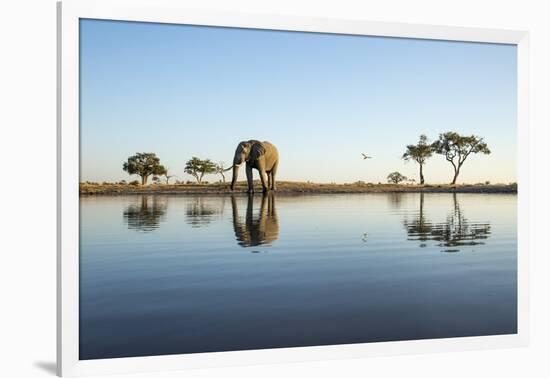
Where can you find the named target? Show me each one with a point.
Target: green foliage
(456, 148)
(135, 183)
(143, 164)
(419, 153)
(396, 178)
(198, 168)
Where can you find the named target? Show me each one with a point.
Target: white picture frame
(69, 13)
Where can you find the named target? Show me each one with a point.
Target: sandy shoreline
(290, 188)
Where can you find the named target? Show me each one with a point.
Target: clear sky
(322, 99)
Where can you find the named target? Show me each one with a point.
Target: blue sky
(322, 99)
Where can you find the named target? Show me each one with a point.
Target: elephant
(262, 156)
(256, 230)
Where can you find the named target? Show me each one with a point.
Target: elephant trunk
(235, 175)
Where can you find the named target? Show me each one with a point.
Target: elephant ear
(244, 144)
(256, 151)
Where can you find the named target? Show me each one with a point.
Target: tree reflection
(256, 229)
(200, 212)
(395, 199)
(419, 228)
(146, 215)
(455, 232)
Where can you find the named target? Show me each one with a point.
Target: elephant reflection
(452, 234)
(257, 229)
(146, 215)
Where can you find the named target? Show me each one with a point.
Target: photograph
(246, 189)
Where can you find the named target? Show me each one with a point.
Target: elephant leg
(261, 170)
(269, 179)
(273, 174)
(249, 179)
(265, 188)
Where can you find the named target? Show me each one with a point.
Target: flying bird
(366, 157)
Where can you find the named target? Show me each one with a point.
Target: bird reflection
(146, 215)
(452, 234)
(256, 229)
(200, 212)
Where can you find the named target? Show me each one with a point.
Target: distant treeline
(454, 147)
(147, 164)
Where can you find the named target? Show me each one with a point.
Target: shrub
(396, 178)
(135, 182)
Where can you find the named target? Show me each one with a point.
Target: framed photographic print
(238, 188)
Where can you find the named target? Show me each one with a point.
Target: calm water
(179, 274)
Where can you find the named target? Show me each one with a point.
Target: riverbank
(288, 187)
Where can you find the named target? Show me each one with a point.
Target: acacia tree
(198, 168)
(396, 178)
(220, 169)
(456, 148)
(167, 177)
(419, 153)
(143, 164)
